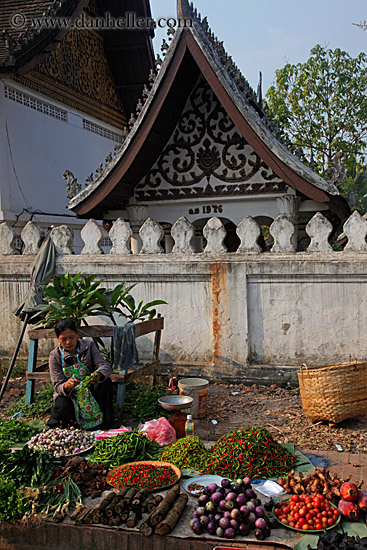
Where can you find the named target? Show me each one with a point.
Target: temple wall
(253, 316)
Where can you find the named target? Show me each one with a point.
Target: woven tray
(334, 392)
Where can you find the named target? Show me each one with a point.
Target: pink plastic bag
(112, 433)
(160, 431)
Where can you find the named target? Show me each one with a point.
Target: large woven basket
(334, 392)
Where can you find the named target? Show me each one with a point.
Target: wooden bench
(36, 372)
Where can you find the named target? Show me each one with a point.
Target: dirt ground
(277, 409)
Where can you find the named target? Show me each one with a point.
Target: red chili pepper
(146, 476)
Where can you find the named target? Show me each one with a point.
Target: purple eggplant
(244, 529)
(229, 533)
(224, 523)
(216, 498)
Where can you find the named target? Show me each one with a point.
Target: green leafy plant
(12, 501)
(70, 297)
(41, 405)
(141, 401)
(321, 105)
(12, 432)
(83, 296)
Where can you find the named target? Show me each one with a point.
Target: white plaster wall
(312, 318)
(42, 148)
(228, 312)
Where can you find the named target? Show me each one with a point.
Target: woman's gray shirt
(89, 355)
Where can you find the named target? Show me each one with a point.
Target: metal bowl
(175, 402)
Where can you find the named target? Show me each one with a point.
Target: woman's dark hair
(64, 324)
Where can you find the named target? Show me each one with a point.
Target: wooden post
(32, 360)
(157, 343)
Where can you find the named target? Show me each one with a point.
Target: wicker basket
(334, 392)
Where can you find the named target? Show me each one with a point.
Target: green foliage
(141, 401)
(43, 401)
(27, 468)
(354, 188)
(121, 302)
(12, 432)
(322, 106)
(83, 296)
(70, 297)
(12, 502)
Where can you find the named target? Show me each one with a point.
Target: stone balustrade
(182, 232)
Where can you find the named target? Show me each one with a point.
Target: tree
(321, 105)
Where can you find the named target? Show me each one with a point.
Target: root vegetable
(165, 505)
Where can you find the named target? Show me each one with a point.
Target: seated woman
(70, 363)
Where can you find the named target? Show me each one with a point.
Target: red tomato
(302, 521)
(303, 511)
(295, 498)
(305, 527)
(277, 511)
(330, 521)
(296, 516)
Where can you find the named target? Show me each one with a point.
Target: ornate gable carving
(207, 156)
(77, 74)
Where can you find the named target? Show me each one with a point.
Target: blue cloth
(125, 353)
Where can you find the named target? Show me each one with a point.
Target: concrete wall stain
(218, 271)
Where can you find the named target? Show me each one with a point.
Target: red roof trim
(118, 172)
(282, 171)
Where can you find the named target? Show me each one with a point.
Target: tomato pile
(307, 513)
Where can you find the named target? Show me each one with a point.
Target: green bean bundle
(248, 452)
(127, 447)
(188, 452)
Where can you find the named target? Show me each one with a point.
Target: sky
(266, 34)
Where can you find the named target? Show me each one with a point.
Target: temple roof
(129, 52)
(194, 50)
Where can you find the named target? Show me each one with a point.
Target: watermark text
(106, 22)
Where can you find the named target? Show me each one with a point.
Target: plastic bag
(112, 433)
(160, 431)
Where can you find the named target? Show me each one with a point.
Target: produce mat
(67, 536)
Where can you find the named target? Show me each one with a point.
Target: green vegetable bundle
(127, 447)
(187, 452)
(26, 468)
(12, 432)
(12, 502)
(248, 452)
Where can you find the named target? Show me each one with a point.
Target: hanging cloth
(87, 412)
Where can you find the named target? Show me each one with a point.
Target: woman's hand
(71, 384)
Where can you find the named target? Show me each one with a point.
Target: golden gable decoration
(77, 74)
